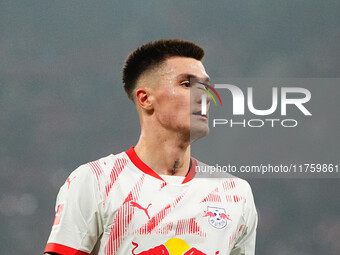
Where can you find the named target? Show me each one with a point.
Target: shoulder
(102, 166)
(97, 173)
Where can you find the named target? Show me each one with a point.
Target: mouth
(200, 114)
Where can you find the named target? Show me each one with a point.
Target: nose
(203, 99)
(204, 95)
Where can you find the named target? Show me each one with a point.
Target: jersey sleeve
(77, 224)
(245, 245)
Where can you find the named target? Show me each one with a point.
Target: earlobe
(143, 99)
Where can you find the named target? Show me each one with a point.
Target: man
(146, 200)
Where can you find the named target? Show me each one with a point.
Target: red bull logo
(225, 216)
(217, 217)
(173, 246)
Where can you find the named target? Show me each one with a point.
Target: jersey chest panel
(151, 213)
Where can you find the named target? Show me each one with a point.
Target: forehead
(183, 67)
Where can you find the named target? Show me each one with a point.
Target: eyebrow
(191, 76)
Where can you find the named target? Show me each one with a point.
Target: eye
(203, 85)
(186, 84)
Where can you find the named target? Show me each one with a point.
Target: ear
(144, 98)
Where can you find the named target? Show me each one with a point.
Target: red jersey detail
(225, 216)
(228, 184)
(188, 226)
(209, 214)
(155, 220)
(232, 239)
(164, 229)
(96, 168)
(229, 198)
(62, 249)
(194, 251)
(237, 198)
(145, 210)
(128, 198)
(69, 181)
(163, 184)
(212, 197)
(158, 250)
(235, 235)
(58, 214)
(122, 220)
(117, 168)
(192, 171)
(140, 164)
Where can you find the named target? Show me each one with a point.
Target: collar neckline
(146, 169)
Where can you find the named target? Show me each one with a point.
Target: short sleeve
(77, 224)
(245, 245)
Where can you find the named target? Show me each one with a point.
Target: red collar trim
(146, 169)
(140, 164)
(192, 171)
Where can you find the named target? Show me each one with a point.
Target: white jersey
(118, 205)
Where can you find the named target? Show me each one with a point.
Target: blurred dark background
(62, 102)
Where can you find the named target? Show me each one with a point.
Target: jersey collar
(146, 169)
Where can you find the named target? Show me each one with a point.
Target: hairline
(158, 66)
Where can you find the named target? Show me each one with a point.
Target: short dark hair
(152, 54)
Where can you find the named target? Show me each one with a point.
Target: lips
(199, 114)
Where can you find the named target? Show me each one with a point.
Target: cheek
(176, 102)
(174, 113)
(173, 107)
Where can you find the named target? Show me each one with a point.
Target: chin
(198, 132)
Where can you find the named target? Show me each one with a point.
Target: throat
(173, 171)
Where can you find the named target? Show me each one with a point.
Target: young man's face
(177, 100)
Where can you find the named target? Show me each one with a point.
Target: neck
(166, 154)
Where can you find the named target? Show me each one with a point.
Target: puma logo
(145, 210)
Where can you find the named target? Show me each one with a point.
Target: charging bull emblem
(217, 217)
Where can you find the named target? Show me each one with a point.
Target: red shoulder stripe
(62, 249)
